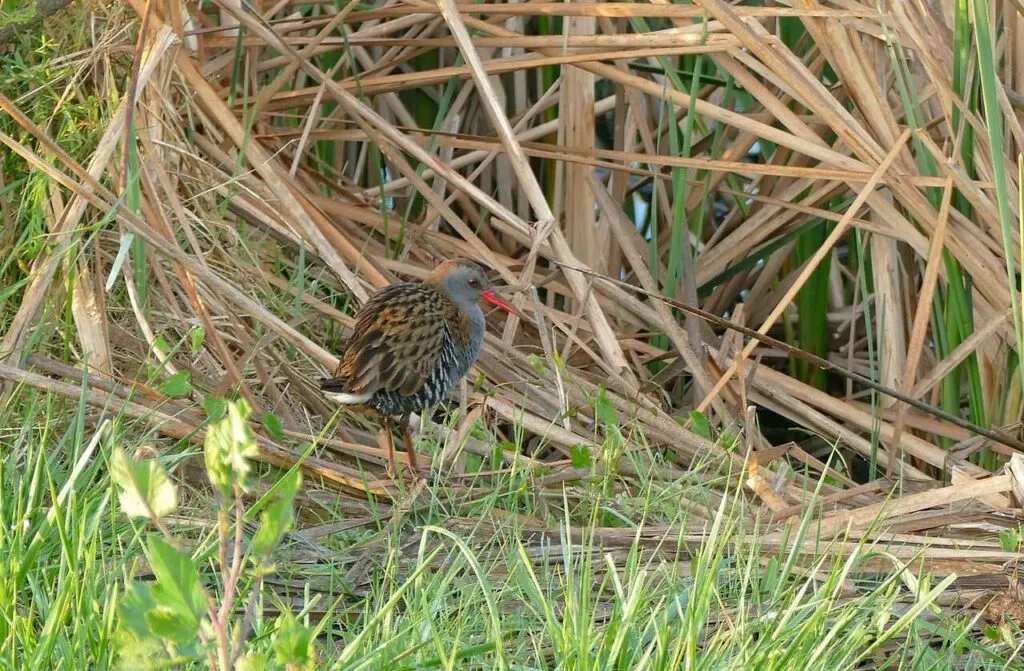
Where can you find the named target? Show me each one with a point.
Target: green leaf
(273, 426)
(293, 642)
(580, 455)
(161, 344)
(137, 646)
(228, 447)
(167, 623)
(144, 488)
(277, 518)
(177, 385)
(1009, 539)
(254, 661)
(216, 407)
(145, 626)
(132, 609)
(700, 424)
(605, 410)
(176, 589)
(480, 432)
(16, 15)
(198, 337)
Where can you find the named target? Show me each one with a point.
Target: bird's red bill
(490, 297)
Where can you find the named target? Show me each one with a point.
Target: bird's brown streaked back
(396, 343)
(413, 341)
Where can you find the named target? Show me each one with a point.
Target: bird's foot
(408, 473)
(414, 473)
(423, 473)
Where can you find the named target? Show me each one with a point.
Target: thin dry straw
(991, 434)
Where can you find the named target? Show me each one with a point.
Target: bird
(411, 344)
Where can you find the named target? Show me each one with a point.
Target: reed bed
(834, 181)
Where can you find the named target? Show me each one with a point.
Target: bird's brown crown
(438, 273)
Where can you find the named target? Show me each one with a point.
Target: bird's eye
(473, 282)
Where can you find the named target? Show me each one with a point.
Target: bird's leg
(410, 446)
(389, 437)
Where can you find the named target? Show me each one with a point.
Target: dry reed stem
(808, 268)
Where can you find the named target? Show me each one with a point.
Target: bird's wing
(397, 343)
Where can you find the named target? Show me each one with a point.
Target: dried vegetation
(827, 173)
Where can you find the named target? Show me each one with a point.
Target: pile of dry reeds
(288, 158)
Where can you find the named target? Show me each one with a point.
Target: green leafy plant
(179, 616)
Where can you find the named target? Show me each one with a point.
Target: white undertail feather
(348, 399)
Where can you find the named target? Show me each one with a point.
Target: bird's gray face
(467, 284)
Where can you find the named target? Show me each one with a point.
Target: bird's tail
(335, 384)
(334, 389)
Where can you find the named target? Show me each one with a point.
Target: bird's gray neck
(469, 306)
(477, 326)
